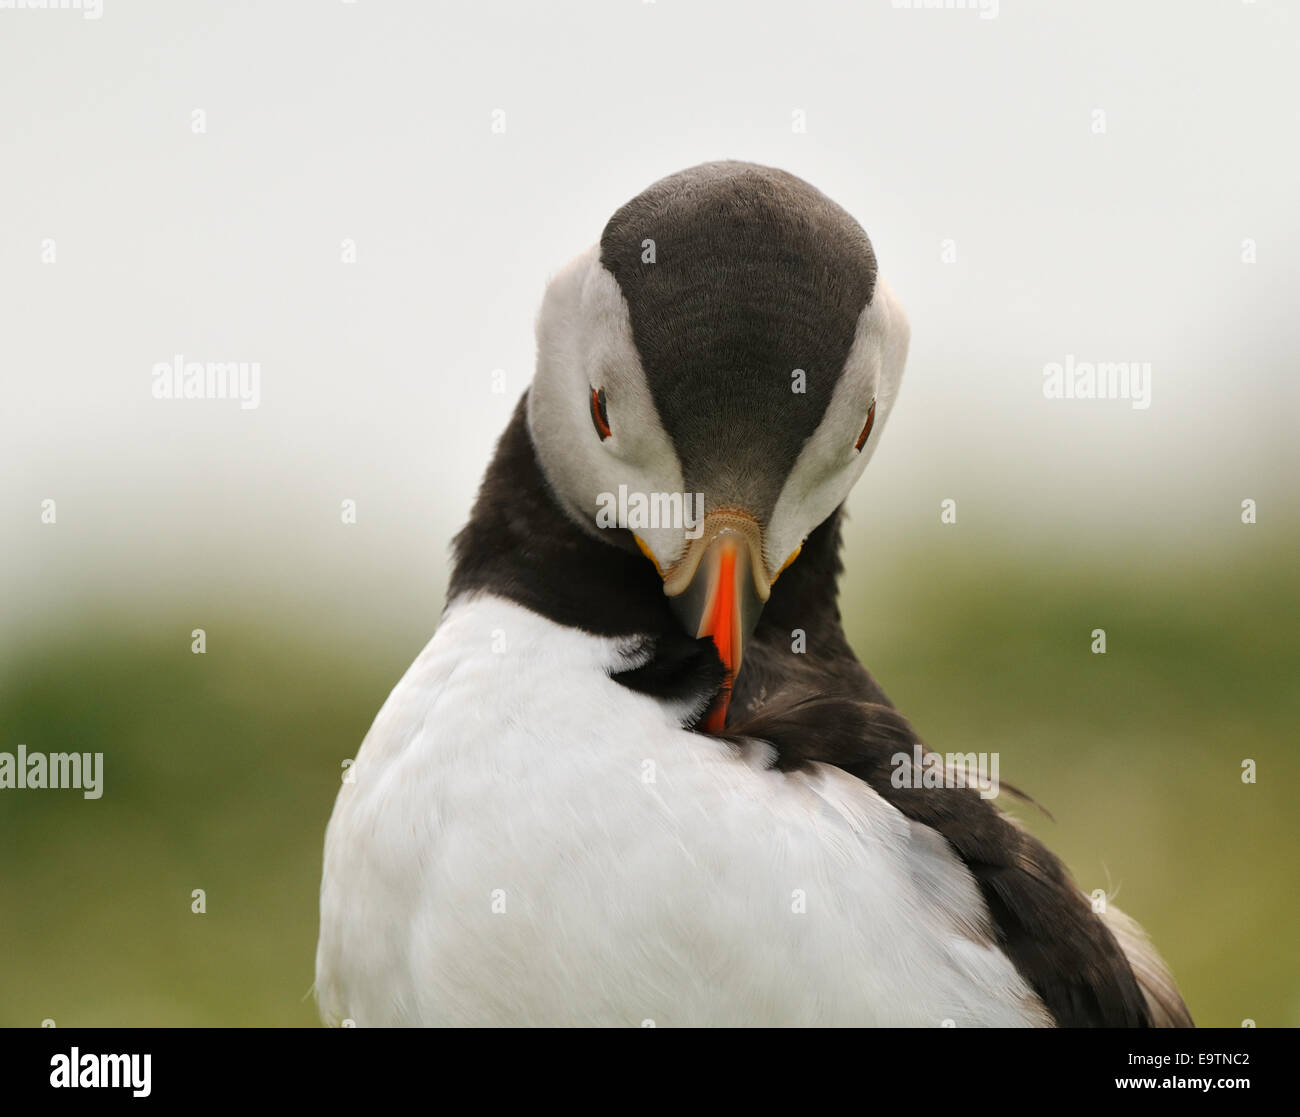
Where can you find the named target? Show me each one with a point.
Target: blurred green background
(220, 770)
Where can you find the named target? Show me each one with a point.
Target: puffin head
(712, 378)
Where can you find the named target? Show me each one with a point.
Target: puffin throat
(521, 543)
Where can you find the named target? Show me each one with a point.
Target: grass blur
(220, 771)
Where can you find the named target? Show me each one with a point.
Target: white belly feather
(528, 842)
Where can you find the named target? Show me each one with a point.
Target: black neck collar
(520, 544)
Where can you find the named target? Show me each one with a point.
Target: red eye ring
(866, 430)
(599, 413)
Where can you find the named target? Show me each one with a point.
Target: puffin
(638, 777)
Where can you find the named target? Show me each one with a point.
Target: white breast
(528, 842)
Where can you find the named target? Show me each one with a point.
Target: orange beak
(718, 589)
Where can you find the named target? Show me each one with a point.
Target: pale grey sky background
(372, 121)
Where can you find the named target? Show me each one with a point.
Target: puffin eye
(599, 414)
(866, 430)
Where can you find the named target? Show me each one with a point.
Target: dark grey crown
(755, 274)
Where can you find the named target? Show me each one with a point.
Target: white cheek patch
(828, 466)
(584, 341)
